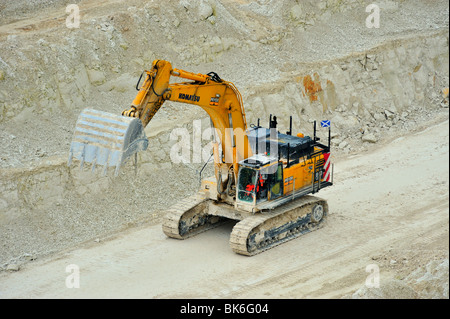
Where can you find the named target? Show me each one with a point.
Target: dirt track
(392, 213)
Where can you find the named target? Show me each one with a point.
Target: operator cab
(260, 179)
(261, 175)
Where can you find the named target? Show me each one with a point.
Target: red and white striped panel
(327, 167)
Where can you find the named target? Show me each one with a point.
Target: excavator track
(264, 231)
(189, 217)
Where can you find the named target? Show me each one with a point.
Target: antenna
(315, 130)
(290, 126)
(257, 140)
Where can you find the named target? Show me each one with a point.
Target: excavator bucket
(106, 139)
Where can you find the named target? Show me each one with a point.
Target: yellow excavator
(263, 178)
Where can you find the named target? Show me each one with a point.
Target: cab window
(247, 184)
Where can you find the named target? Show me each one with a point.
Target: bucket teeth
(106, 139)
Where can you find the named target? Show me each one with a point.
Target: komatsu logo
(188, 97)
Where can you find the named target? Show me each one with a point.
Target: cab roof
(258, 160)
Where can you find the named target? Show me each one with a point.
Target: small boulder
(205, 10)
(13, 267)
(370, 138)
(389, 114)
(296, 12)
(96, 77)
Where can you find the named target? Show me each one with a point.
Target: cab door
(276, 183)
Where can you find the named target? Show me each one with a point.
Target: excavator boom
(110, 140)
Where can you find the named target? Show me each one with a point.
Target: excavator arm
(220, 99)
